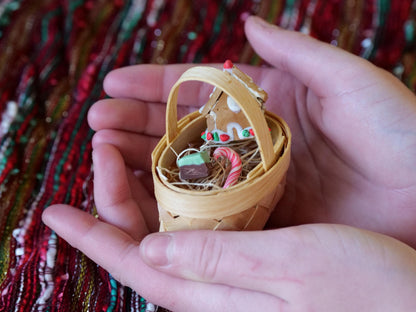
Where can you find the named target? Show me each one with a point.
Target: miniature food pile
(229, 150)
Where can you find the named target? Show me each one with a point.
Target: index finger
(152, 83)
(119, 254)
(326, 69)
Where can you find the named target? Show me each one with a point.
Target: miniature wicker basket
(244, 206)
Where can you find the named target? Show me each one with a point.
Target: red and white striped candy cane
(236, 166)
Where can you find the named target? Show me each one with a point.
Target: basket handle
(239, 93)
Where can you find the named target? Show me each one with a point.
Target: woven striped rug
(53, 58)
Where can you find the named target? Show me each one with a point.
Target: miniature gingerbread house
(225, 120)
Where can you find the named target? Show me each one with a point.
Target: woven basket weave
(244, 206)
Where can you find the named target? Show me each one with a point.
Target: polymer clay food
(235, 164)
(194, 166)
(226, 121)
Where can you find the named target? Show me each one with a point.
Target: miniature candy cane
(235, 164)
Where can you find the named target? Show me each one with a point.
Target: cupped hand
(316, 267)
(319, 267)
(353, 124)
(354, 145)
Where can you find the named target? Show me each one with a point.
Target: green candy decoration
(246, 133)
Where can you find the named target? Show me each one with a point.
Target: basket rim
(179, 201)
(259, 168)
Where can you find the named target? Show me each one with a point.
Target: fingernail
(258, 20)
(261, 22)
(155, 249)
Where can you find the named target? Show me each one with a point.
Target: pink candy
(236, 166)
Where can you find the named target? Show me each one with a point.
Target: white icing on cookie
(237, 127)
(213, 90)
(214, 117)
(232, 105)
(230, 134)
(201, 109)
(252, 91)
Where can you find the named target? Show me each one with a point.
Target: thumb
(291, 264)
(354, 96)
(262, 261)
(312, 62)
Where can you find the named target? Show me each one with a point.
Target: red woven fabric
(53, 58)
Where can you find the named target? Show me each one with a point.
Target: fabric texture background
(54, 55)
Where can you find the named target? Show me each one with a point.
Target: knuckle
(208, 260)
(120, 268)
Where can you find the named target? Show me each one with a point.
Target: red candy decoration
(236, 165)
(209, 136)
(228, 64)
(224, 137)
(251, 132)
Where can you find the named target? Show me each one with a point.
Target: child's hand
(353, 162)
(317, 267)
(133, 124)
(353, 124)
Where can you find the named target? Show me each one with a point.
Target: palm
(353, 152)
(332, 178)
(349, 163)
(353, 130)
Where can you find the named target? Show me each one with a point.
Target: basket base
(251, 219)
